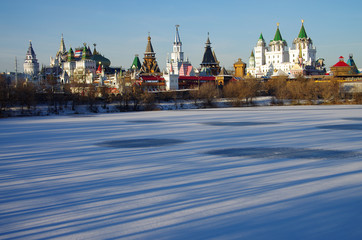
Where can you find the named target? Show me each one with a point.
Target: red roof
(341, 64)
(196, 78)
(151, 77)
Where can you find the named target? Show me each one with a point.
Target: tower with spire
(177, 63)
(259, 49)
(278, 51)
(61, 56)
(177, 66)
(208, 60)
(303, 45)
(31, 65)
(149, 65)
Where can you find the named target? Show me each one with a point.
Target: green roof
(261, 37)
(70, 55)
(278, 36)
(136, 63)
(302, 32)
(84, 53)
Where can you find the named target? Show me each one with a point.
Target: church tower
(304, 43)
(31, 65)
(149, 65)
(62, 52)
(177, 64)
(177, 55)
(278, 52)
(209, 60)
(259, 52)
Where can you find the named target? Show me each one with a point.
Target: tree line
(26, 98)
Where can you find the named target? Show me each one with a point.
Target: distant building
(61, 55)
(149, 65)
(31, 65)
(81, 69)
(209, 60)
(350, 62)
(277, 57)
(341, 68)
(239, 68)
(136, 64)
(177, 66)
(223, 78)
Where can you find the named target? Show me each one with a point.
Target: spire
(278, 36)
(30, 51)
(302, 32)
(177, 36)
(261, 37)
(62, 45)
(252, 54)
(208, 55)
(149, 48)
(208, 43)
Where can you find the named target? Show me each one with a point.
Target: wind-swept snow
(236, 173)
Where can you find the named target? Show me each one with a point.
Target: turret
(209, 60)
(260, 50)
(252, 60)
(31, 65)
(177, 55)
(304, 44)
(70, 55)
(149, 65)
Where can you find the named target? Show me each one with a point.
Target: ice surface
(290, 173)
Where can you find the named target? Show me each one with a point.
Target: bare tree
(208, 92)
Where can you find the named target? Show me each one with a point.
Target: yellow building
(341, 68)
(239, 67)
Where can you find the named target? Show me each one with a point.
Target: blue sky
(120, 28)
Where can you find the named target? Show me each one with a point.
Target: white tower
(31, 65)
(304, 45)
(177, 55)
(260, 52)
(278, 52)
(177, 66)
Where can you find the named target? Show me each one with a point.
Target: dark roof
(30, 50)
(149, 48)
(209, 57)
(223, 72)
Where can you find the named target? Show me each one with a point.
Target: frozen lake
(238, 173)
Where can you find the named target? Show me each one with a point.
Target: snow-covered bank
(290, 172)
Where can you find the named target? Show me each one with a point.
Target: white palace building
(277, 59)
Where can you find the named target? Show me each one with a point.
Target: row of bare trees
(297, 91)
(26, 96)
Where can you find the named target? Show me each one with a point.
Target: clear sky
(120, 28)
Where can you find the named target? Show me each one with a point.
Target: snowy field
(235, 173)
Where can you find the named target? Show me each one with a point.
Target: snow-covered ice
(290, 172)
